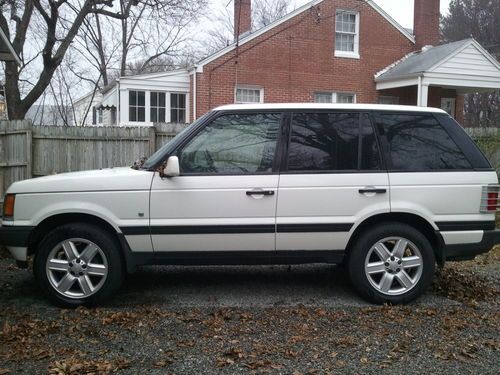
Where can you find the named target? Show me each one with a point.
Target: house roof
(7, 52)
(251, 36)
(417, 63)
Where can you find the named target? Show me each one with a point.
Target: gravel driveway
(259, 319)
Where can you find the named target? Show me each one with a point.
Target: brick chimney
(242, 17)
(426, 23)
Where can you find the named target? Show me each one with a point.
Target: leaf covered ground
(454, 328)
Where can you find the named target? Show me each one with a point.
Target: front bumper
(15, 239)
(469, 251)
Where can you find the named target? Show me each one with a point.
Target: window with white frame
(178, 108)
(386, 99)
(334, 97)
(248, 95)
(96, 116)
(157, 106)
(137, 106)
(346, 33)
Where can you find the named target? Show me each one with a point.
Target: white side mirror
(172, 169)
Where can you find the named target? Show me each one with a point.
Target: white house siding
(81, 106)
(470, 67)
(169, 82)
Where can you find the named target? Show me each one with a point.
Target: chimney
(242, 17)
(426, 23)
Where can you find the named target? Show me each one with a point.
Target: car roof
(312, 106)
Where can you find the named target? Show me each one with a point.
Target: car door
(225, 197)
(332, 179)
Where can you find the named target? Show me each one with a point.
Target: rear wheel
(391, 263)
(78, 264)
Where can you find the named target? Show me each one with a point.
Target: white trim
(347, 55)
(384, 85)
(248, 38)
(10, 47)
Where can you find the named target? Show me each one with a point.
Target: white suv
(389, 191)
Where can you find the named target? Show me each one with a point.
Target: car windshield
(160, 153)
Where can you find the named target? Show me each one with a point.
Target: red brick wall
(296, 59)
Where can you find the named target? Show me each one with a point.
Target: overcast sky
(400, 10)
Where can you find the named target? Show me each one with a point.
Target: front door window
(233, 144)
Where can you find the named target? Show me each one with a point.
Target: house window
(137, 106)
(333, 97)
(158, 107)
(178, 108)
(249, 95)
(347, 34)
(96, 116)
(388, 100)
(448, 104)
(346, 98)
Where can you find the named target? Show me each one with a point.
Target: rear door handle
(372, 190)
(260, 192)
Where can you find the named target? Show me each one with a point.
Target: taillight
(8, 206)
(489, 198)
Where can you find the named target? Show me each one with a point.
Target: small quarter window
(417, 142)
(248, 95)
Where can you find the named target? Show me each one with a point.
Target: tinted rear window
(417, 142)
(332, 142)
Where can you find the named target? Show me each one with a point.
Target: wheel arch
(416, 221)
(51, 222)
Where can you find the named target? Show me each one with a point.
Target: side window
(332, 142)
(417, 142)
(233, 144)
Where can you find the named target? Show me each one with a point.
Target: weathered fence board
(30, 151)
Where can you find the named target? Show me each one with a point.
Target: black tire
(107, 244)
(361, 249)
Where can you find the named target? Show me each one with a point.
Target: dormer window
(347, 34)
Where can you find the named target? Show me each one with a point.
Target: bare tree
(479, 19)
(264, 12)
(56, 22)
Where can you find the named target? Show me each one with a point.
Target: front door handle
(260, 192)
(372, 190)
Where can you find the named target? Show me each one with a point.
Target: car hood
(124, 178)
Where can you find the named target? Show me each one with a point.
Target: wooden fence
(30, 151)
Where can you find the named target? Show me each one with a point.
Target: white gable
(469, 61)
(175, 81)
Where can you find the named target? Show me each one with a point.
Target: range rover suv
(388, 191)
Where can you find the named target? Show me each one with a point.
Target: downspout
(419, 92)
(194, 93)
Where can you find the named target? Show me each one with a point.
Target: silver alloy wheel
(394, 266)
(76, 268)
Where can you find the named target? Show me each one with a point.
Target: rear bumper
(469, 251)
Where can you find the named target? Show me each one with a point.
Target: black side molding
(452, 226)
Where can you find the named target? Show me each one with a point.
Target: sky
(400, 10)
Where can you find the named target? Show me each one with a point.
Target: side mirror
(172, 168)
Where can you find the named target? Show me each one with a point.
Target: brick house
(342, 51)
(325, 51)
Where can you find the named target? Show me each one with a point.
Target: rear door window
(417, 142)
(332, 142)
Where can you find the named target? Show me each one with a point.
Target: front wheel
(78, 264)
(391, 263)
